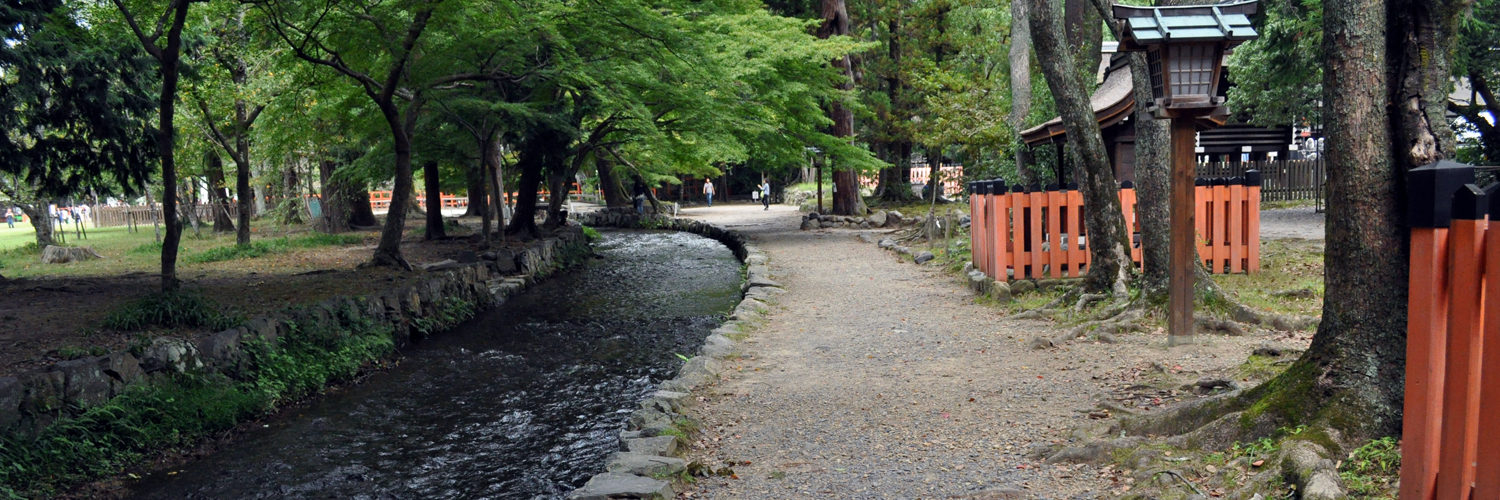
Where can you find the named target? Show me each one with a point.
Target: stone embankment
(650, 446)
(32, 401)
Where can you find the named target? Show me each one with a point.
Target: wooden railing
(107, 216)
(1022, 233)
(1450, 444)
(1281, 180)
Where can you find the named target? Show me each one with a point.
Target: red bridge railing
(1020, 232)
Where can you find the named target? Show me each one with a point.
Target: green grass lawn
(125, 251)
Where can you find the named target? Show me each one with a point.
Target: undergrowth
(170, 310)
(1373, 469)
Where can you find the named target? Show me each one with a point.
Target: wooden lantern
(1185, 49)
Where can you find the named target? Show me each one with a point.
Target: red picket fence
(1035, 233)
(952, 175)
(1450, 447)
(381, 200)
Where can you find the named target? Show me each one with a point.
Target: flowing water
(524, 401)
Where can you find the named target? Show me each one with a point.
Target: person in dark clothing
(640, 197)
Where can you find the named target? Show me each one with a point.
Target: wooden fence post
(1252, 219)
(1000, 237)
(976, 226)
(1429, 215)
(1487, 470)
(1460, 422)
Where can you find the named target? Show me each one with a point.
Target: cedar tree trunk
(1108, 242)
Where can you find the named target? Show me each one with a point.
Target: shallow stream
(524, 401)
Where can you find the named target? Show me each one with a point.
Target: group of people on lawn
(61, 215)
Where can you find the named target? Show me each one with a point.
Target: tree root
(1046, 311)
(1086, 299)
(1124, 322)
(1281, 322)
(1179, 477)
(383, 259)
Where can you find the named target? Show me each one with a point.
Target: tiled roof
(1195, 23)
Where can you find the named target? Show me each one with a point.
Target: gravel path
(1300, 222)
(875, 378)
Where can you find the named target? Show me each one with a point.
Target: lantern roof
(1228, 22)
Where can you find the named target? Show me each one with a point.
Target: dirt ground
(877, 378)
(45, 319)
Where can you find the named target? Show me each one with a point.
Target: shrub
(590, 233)
(170, 310)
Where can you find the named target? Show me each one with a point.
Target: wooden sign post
(1184, 49)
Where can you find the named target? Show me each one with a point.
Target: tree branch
(147, 42)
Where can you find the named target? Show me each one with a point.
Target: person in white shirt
(708, 191)
(765, 193)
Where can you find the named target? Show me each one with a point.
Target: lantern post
(1184, 49)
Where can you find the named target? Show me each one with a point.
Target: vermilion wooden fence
(1023, 232)
(381, 200)
(1450, 446)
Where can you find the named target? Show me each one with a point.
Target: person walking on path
(765, 193)
(640, 197)
(708, 191)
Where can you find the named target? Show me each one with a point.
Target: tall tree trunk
(535, 159)
(247, 196)
(1108, 241)
(218, 193)
(357, 198)
(560, 183)
(41, 221)
(846, 199)
(1379, 85)
(335, 202)
(1152, 181)
(290, 192)
(431, 182)
(1020, 85)
(165, 142)
(474, 178)
(485, 172)
(388, 251)
(1085, 39)
(609, 183)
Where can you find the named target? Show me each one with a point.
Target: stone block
(123, 370)
(662, 446)
(172, 354)
(611, 485)
(42, 392)
(223, 351)
(644, 465)
(84, 384)
(11, 395)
